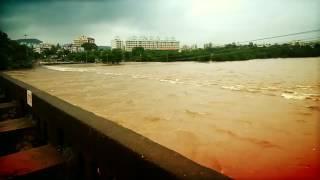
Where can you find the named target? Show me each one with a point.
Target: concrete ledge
(101, 147)
(15, 125)
(5, 106)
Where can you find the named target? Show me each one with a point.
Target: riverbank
(230, 52)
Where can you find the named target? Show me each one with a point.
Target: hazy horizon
(190, 21)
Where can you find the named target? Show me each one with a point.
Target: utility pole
(167, 57)
(25, 40)
(86, 57)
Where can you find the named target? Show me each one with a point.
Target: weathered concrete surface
(7, 105)
(4, 107)
(2, 98)
(100, 147)
(15, 125)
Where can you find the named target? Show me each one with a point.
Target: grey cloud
(189, 20)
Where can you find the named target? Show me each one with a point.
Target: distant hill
(29, 41)
(104, 47)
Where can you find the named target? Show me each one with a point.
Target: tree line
(90, 54)
(230, 52)
(13, 55)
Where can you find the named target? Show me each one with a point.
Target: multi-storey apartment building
(82, 39)
(39, 48)
(67, 47)
(151, 43)
(117, 43)
(76, 46)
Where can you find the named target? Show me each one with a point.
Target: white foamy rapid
(67, 69)
(288, 91)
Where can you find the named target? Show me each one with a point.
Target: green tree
(116, 56)
(137, 51)
(90, 57)
(105, 56)
(89, 46)
(13, 55)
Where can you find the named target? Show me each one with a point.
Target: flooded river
(256, 119)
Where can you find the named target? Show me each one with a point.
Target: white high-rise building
(117, 43)
(81, 40)
(147, 43)
(77, 43)
(152, 43)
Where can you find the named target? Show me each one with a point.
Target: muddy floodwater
(257, 119)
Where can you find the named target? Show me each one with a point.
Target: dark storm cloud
(70, 17)
(189, 21)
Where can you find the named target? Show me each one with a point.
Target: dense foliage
(31, 41)
(98, 55)
(89, 46)
(229, 52)
(13, 55)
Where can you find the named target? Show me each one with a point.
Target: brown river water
(257, 119)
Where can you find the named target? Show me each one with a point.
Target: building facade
(76, 45)
(82, 39)
(189, 47)
(39, 48)
(208, 45)
(147, 43)
(67, 47)
(117, 43)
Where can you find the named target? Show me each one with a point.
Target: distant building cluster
(77, 43)
(207, 45)
(39, 48)
(187, 47)
(302, 43)
(212, 45)
(147, 43)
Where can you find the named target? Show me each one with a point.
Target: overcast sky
(189, 21)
